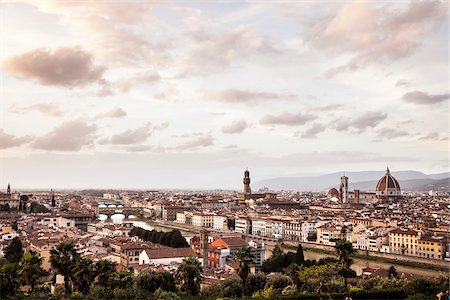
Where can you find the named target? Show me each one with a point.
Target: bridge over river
(124, 210)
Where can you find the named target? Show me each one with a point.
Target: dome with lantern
(388, 187)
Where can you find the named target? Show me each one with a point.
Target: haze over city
(189, 94)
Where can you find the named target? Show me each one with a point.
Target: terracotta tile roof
(169, 252)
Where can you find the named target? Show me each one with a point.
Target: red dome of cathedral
(333, 193)
(388, 187)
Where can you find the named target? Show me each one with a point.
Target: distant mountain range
(365, 181)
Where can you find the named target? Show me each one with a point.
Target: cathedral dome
(333, 193)
(388, 187)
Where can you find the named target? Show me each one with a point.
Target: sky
(188, 94)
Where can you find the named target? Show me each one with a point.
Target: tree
(277, 251)
(278, 281)
(299, 257)
(14, 251)
(344, 250)
(150, 281)
(63, 259)
(83, 274)
(104, 269)
(278, 261)
(9, 282)
(231, 224)
(189, 275)
(292, 271)
(231, 287)
(392, 272)
(30, 269)
(255, 283)
(318, 276)
(245, 257)
(122, 279)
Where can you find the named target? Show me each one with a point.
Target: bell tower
(8, 189)
(343, 190)
(247, 189)
(204, 246)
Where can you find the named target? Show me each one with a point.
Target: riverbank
(377, 259)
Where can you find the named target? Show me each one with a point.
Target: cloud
(69, 136)
(390, 133)
(419, 97)
(135, 136)
(243, 96)
(235, 127)
(142, 78)
(402, 83)
(115, 112)
(10, 141)
(170, 91)
(368, 119)
(49, 109)
(311, 133)
(329, 107)
(64, 66)
(201, 141)
(118, 32)
(372, 33)
(431, 136)
(287, 119)
(145, 148)
(236, 44)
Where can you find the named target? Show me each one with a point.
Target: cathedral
(387, 189)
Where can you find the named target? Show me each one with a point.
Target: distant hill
(364, 180)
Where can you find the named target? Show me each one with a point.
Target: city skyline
(187, 95)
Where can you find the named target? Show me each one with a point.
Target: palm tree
(344, 250)
(63, 259)
(83, 274)
(245, 257)
(189, 275)
(30, 268)
(104, 269)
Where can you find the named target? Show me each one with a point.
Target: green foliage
(38, 208)
(14, 251)
(245, 257)
(392, 272)
(5, 207)
(30, 268)
(299, 257)
(172, 238)
(9, 282)
(105, 268)
(278, 281)
(83, 274)
(292, 272)
(255, 282)
(161, 294)
(318, 277)
(189, 275)
(122, 279)
(344, 250)
(151, 280)
(418, 296)
(99, 292)
(278, 261)
(231, 224)
(63, 259)
(231, 287)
